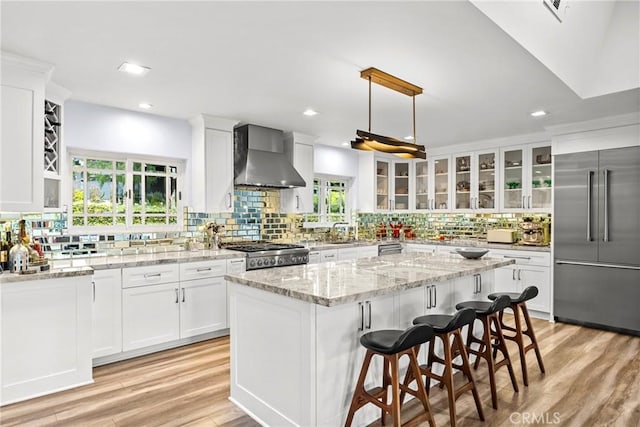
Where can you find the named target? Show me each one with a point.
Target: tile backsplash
(256, 216)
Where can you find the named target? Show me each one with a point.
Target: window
(124, 192)
(330, 200)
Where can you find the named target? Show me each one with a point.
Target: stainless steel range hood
(260, 160)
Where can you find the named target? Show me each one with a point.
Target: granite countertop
(58, 273)
(86, 265)
(335, 283)
(456, 243)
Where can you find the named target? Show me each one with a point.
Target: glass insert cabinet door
(422, 185)
(382, 185)
(462, 195)
(400, 199)
(486, 183)
(512, 167)
(540, 178)
(441, 184)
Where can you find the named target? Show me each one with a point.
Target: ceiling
(266, 62)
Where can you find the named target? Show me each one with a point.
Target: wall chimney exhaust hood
(260, 160)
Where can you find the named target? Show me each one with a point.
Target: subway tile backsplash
(256, 216)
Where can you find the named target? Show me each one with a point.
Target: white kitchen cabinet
(340, 356)
(475, 179)
(212, 164)
(440, 186)
(473, 288)
(526, 178)
(345, 254)
(531, 269)
(46, 336)
(328, 255)
(314, 257)
(299, 200)
(422, 194)
(150, 275)
(203, 297)
(150, 315)
(107, 312)
(393, 184)
(417, 247)
(367, 251)
(236, 265)
(55, 96)
(21, 144)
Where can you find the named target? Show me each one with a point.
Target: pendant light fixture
(371, 142)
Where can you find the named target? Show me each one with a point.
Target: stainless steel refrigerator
(597, 239)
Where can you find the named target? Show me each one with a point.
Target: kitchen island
(295, 352)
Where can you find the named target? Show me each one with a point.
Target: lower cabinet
(340, 356)
(203, 306)
(46, 336)
(106, 318)
(150, 315)
(473, 288)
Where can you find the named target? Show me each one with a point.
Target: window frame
(129, 160)
(321, 214)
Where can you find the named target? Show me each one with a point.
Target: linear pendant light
(371, 142)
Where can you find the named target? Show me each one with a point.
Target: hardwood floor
(593, 379)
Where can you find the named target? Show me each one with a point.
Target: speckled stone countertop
(86, 265)
(51, 274)
(335, 283)
(456, 243)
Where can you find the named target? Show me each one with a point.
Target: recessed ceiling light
(309, 112)
(409, 138)
(138, 70)
(145, 105)
(539, 113)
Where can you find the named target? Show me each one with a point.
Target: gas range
(266, 255)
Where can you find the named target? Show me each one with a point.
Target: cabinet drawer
(236, 265)
(202, 269)
(150, 275)
(524, 257)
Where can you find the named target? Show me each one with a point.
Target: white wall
(100, 128)
(595, 50)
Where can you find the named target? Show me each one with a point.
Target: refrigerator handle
(606, 205)
(589, 185)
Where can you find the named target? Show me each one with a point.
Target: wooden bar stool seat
(492, 337)
(519, 307)
(449, 330)
(391, 345)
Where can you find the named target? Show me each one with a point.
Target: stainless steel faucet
(333, 234)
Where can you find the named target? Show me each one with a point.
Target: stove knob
(294, 259)
(305, 258)
(259, 262)
(252, 263)
(280, 261)
(273, 261)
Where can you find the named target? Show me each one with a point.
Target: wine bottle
(4, 253)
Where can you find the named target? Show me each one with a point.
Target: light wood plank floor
(593, 379)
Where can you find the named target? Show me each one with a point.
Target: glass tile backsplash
(256, 216)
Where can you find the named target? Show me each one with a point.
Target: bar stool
(487, 313)
(391, 345)
(445, 327)
(519, 306)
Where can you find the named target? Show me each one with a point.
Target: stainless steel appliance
(597, 239)
(260, 159)
(532, 232)
(389, 248)
(266, 255)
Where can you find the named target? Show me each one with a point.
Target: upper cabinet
(526, 178)
(21, 146)
(392, 184)
(422, 194)
(475, 181)
(212, 164)
(300, 149)
(53, 139)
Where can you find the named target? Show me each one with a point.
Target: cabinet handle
(230, 204)
(297, 202)
(129, 194)
(151, 275)
(524, 206)
(369, 309)
(529, 202)
(200, 270)
(519, 271)
(429, 298)
(589, 185)
(177, 295)
(475, 284)
(479, 283)
(513, 275)
(435, 296)
(238, 261)
(93, 287)
(605, 173)
(516, 257)
(361, 328)
(183, 294)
